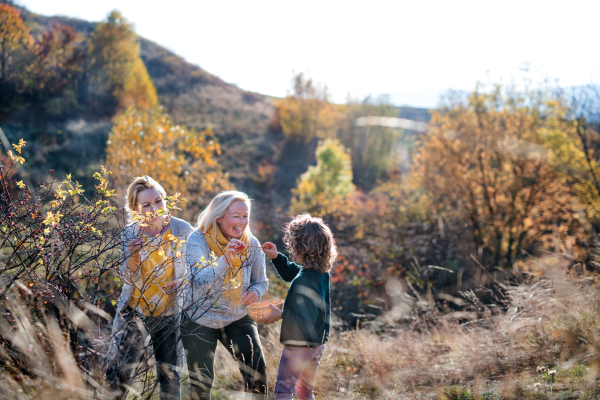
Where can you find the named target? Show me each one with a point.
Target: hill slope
(195, 98)
(259, 161)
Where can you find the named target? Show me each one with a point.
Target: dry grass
(482, 353)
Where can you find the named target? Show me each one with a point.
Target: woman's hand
(134, 247)
(173, 285)
(133, 262)
(273, 316)
(270, 249)
(233, 248)
(250, 297)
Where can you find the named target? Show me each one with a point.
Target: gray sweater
(202, 299)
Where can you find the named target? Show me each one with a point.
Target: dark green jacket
(307, 310)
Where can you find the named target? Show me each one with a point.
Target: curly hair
(311, 242)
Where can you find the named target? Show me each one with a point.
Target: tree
(58, 66)
(149, 143)
(15, 41)
(576, 150)
(307, 113)
(322, 187)
(485, 160)
(117, 68)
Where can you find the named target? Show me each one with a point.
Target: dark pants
(163, 332)
(240, 338)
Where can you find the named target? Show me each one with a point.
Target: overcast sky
(411, 50)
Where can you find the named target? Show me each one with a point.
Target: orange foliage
(15, 42)
(485, 162)
(148, 143)
(117, 66)
(58, 61)
(307, 113)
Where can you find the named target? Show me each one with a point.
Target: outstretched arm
(287, 270)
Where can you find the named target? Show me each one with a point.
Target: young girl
(306, 312)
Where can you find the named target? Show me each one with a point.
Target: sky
(412, 51)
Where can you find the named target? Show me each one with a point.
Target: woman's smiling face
(235, 221)
(150, 201)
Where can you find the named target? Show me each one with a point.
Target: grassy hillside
(195, 98)
(259, 160)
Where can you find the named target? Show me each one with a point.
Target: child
(306, 312)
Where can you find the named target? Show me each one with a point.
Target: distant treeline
(61, 73)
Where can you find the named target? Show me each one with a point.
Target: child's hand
(270, 249)
(273, 316)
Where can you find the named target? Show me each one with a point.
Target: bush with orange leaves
(60, 257)
(489, 160)
(58, 273)
(149, 143)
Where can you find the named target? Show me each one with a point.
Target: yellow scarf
(156, 271)
(233, 278)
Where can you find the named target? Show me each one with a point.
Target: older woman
(152, 268)
(227, 273)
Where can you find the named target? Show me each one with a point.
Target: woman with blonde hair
(152, 268)
(226, 274)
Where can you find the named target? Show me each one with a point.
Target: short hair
(218, 208)
(311, 242)
(138, 185)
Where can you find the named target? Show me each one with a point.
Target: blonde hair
(311, 242)
(218, 208)
(138, 185)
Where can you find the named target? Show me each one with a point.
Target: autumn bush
(147, 142)
(323, 187)
(58, 276)
(488, 160)
(307, 113)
